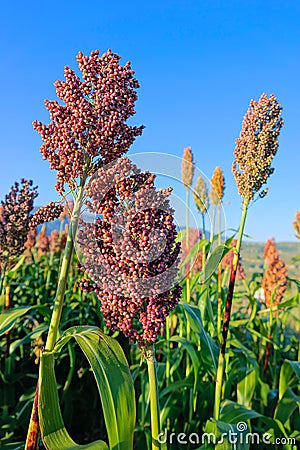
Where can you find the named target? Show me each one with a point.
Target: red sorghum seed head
(130, 251)
(54, 241)
(89, 127)
(15, 218)
(46, 213)
(275, 276)
(42, 242)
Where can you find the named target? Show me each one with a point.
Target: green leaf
(193, 354)
(287, 405)
(232, 412)
(54, 433)
(226, 436)
(195, 250)
(246, 387)
(29, 337)
(209, 349)
(13, 446)
(294, 301)
(214, 260)
(8, 318)
(114, 383)
(288, 368)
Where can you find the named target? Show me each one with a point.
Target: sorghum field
(119, 330)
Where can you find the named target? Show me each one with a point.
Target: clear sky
(198, 63)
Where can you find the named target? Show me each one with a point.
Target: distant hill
(253, 257)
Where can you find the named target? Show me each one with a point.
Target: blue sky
(198, 63)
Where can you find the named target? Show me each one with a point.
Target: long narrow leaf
(113, 379)
(54, 433)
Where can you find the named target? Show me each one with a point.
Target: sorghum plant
(187, 174)
(15, 216)
(255, 149)
(275, 277)
(201, 199)
(274, 285)
(87, 131)
(216, 196)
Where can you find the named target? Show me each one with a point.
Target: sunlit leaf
(114, 383)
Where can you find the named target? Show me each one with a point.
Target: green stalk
(219, 318)
(3, 274)
(226, 322)
(168, 351)
(32, 434)
(187, 197)
(154, 401)
(63, 275)
(203, 237)
(212, 228)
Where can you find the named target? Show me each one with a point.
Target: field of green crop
(122, 333)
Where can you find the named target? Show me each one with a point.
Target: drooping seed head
(46, 213)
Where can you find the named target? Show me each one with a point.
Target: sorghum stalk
(212, 226)
(254, 152)
(201, 199)
(187, 179)
(63, 275)
(220, 370)
(204, 237)
(219, 287)
(87, 131)
(32, 441)
(154, 398)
